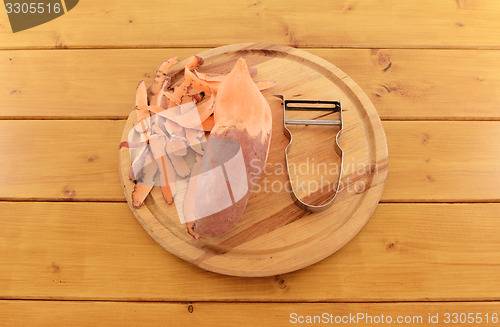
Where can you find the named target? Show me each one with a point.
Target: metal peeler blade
(333, 106)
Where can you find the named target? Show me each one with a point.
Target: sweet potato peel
(161, 79)
(173, 119)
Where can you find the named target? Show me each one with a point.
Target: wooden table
(72, 253)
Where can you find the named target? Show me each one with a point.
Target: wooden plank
(371, 23)
(60, 160)
(78, 160)
(77, 83)
(57, 313)
(425, 84)
(443, 161)
(97, 251)
(402, 84)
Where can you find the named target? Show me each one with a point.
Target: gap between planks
(325, 47)
(118, 118)
(47, 200)
(430, 301)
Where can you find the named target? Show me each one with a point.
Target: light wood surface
(274, 236)
(98, 251)
(428, 155)
(424, 84)
(66, 88)
(57, 313)
(346, 23)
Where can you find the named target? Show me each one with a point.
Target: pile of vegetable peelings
(222, 107)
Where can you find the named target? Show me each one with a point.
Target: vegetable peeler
(308, 105)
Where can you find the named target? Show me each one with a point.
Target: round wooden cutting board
(274, 236)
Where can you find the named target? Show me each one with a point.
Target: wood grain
(57, 313)
(60, 160)
(78, 160)
(402, 84)
(443, 161)
(372, 23)
(79, 84)
(98, 251)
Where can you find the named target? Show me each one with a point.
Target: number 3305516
(33, 8)
(470, 318)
